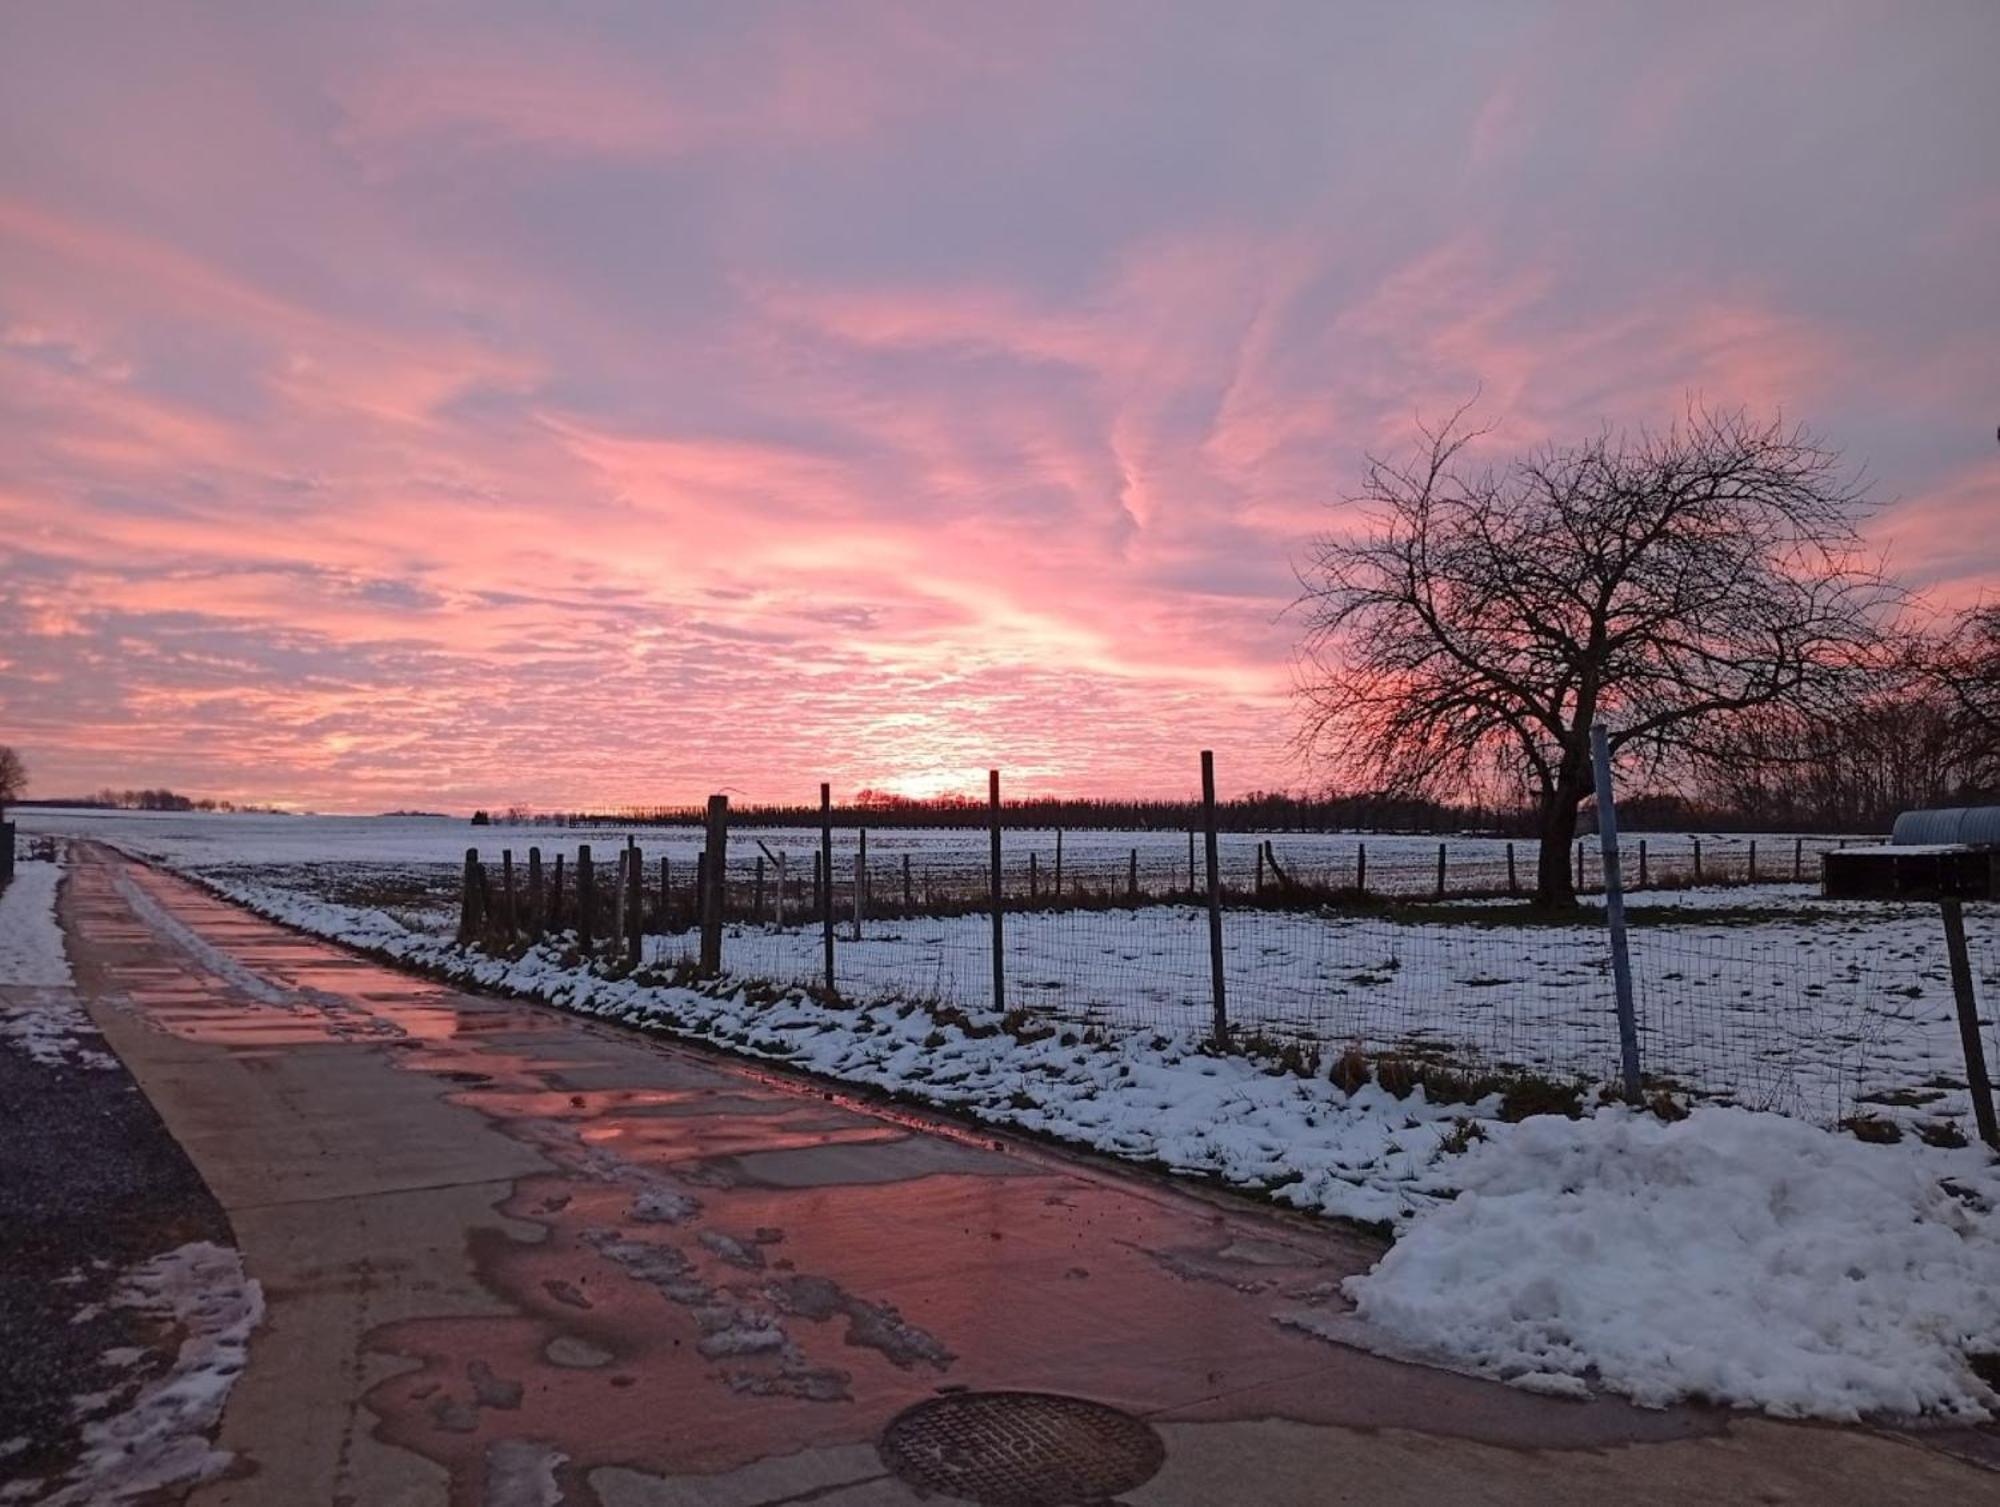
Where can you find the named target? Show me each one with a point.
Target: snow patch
(161, 1438)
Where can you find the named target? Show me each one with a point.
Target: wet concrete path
(515, 1257)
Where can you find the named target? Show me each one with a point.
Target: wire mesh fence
(1767, 997)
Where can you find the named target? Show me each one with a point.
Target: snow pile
(160, 1437)
(31, 943)
(1734, 1256)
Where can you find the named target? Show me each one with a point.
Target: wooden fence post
(586, 899)
(1513, 875)
(1697, 860)
(1214, 901)
(1191, 888)
(909, 900)
(757, 893)
(635, 896)
(485, 899)
(1034, 879)
(1132, 877)
(1753, 860)
(1579, 865)
(1260, 873)
(860, 883)
(715, 889)
(468, 904)
(1361, 868)
(538, 915)
(999, 926)
(1441, 849)
(615, 921)
(823, 882)
(1978, 1085)
(555, 912)
(507, 893)
(1642, 863)
(1058, 863)
(1798, 859)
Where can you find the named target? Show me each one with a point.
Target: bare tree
(1965, 667)
(1664, 583)
(13, 776)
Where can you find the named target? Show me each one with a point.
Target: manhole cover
(1021, 1449)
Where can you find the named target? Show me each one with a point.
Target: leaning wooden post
(1513, 875)
(1132, 877)
(507, 893)
(715, 887)
(1614, 911)
(468, 905)
(635, 898)
(823, 882)
(993, 878)
(1260, 873)
(538, 916)
(1214, 900)
(1978, 1085)
(757, 893)
(586, 899)
(1441, 849)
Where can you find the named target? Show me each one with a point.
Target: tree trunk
(1555, 880)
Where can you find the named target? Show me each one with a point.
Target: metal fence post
(823, 882)
(1614, 910)
(1214, 900)
(1978, 1085)
(999, 951)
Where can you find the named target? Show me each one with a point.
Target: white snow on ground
(31, 942)
(40, 1013)
(1734, 1256)
(155, 1435)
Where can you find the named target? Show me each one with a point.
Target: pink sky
(464, 404)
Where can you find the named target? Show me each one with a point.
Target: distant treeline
(144, 800)
(1258, 812)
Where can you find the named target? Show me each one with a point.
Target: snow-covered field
(436, 846)
(1742, 1257)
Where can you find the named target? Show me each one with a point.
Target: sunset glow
(470, 404)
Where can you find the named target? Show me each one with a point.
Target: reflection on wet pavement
(718, 1264)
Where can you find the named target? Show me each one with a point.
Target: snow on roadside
(1735, 1256)
(158, 1436)
(40, 1013)
(31, 942)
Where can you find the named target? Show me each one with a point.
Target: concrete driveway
(515, 1257)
